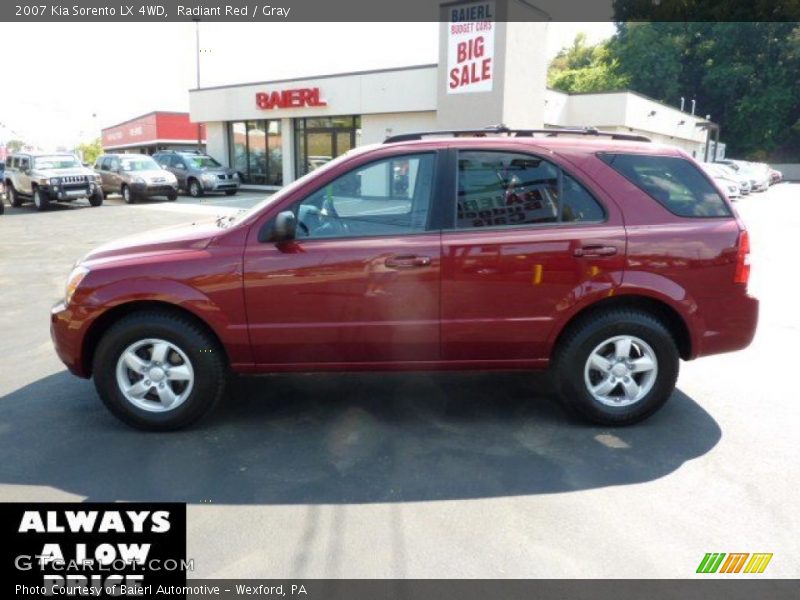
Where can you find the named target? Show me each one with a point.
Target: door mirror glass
(284, 228)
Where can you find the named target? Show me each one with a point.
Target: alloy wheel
(621, 371)
(155, 375)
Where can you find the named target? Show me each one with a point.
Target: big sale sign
(470, 48)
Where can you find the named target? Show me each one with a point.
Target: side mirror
(284, 228)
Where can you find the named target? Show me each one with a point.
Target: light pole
(197, 48)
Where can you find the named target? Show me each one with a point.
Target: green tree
(90, 151)
(15, 145)
(745, 75)
(585, 68)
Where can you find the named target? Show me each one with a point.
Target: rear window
(675, 183)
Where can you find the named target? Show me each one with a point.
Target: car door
(528, 241)
(180, 169)
(23, 179)
(360, 282)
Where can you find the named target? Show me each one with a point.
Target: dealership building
(489, 72)
(158, 130)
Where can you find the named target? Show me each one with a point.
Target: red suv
(603, 257)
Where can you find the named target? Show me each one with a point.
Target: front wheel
(617, 367)
(195, 189)
(96, 199)
(159, 371)
(40, 199)
(172, 196)
(127, 195)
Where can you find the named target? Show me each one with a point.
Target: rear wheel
(13, 198)
(617, 367)
(40, 199)
(159, 371)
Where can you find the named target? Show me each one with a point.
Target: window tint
(106, 165)
(24, 163)
(673, 182)
(500, 188)
(388, 197)
(579, 204)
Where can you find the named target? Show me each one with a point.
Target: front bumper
(220, 185)
(67, 330)
(66, 193)
(148, 190)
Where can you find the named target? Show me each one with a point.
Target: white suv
(46, 178)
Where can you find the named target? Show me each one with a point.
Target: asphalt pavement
(417, 475)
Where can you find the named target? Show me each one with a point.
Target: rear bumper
(726, 324)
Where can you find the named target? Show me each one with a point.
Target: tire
(195, 189)
(606, 335)
(127, 195)
(13, 198)
(189, 345)
(2, 206)
(96, 199)
(40, 199)
(172, 197)
(230, 192)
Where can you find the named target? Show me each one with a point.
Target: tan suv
(135, 176)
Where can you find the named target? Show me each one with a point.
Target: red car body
(496, 298)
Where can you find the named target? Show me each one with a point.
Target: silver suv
(198, 173)
(45, 178)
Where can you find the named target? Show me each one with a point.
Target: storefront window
(256, 151)
(320, 139)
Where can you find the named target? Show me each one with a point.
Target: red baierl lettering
(472, 67)
(296, 98)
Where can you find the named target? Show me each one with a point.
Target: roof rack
(502, 129)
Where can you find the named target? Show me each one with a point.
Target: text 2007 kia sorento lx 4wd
(607, 259)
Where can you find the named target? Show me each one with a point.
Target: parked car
(46, 178)
(724, 179)
(198, 173)
(2, 188)
(725, 170)
(755, 174)
(605, 260)
(135, 176)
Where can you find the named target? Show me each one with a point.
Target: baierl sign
(470, 48)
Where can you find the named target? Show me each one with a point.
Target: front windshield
(56, 162)
(247, 214)
(143, 163)
(203, 162)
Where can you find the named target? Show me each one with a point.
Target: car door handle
(407, 261)
(595, 251)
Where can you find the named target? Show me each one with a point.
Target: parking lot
(446, 475)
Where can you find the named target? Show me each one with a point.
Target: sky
(77, 78)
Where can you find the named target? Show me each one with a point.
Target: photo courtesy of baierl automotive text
(295, 295)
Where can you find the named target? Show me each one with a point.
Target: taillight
(742, 273)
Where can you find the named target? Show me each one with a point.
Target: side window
(387, 197)
(508, 189)
(177, 161)
(105, 165)
(113, 163)
(675, 183)
(24, 162)
(579, 205)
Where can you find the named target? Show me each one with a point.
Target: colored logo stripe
(712, 562)
(758, 563)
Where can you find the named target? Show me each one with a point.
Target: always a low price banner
(92, 549)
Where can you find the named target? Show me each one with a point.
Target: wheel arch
(101, 324)
(675, 322)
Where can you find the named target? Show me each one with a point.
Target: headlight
(73, 281)
(236, 175)
(208, 176)
(54, 181)
(139, 180)
(97, 179)
(171, 178)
